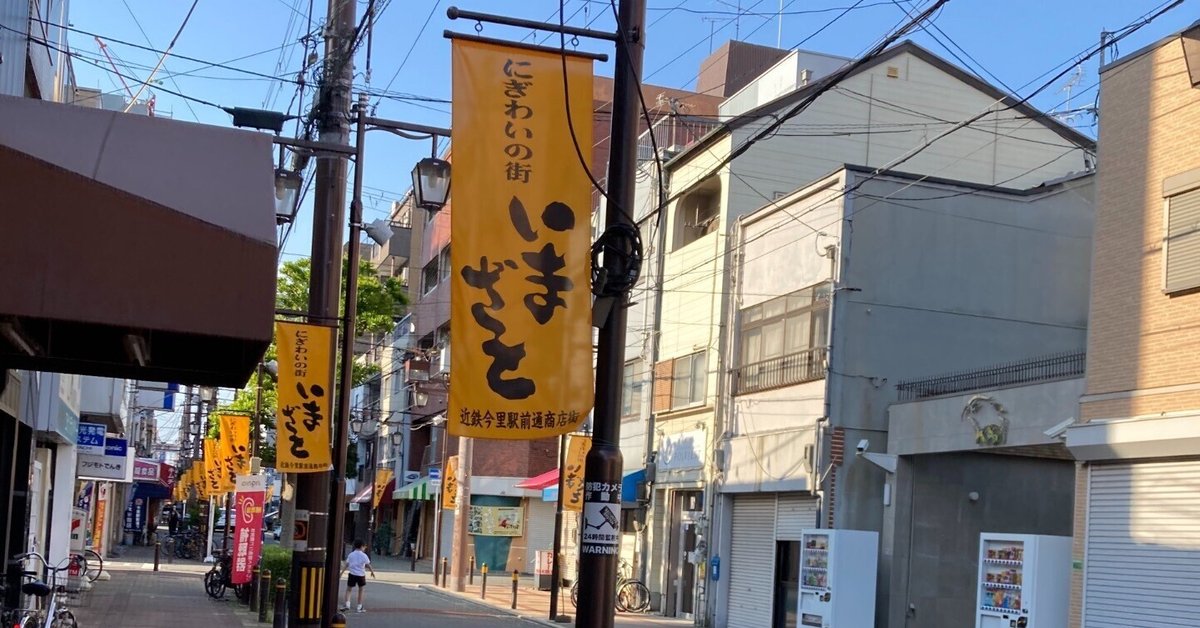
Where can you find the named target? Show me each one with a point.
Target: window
(631, 389)
(1181, 249)
(429, 276)
(783, 340)
(697, 213)
(444, 263)
(688, 380)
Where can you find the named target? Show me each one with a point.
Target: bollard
(483, 588)
(412, 566)
(264, 595)
(471, 572)
(157, 549)
(445, 562)
(170, 550)
(254, 589)
(280, 605)
(516, 576)
(338, 621)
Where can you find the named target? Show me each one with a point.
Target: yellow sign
(382, 477)
(212, 468)
(305, 388)
(235, 446)
(450, 484)
(572, 484)
(521, 263)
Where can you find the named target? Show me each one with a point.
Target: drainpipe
(832, 252)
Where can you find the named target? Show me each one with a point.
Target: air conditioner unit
(441, 363)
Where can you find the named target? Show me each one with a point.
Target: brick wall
(514, 458)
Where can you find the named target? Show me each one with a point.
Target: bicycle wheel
(242, 591)
(64, 619)
(619, 601)
(93, 563)
(214, 584)
(575, 594)
(635, 595)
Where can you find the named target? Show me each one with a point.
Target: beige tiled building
(1137, 516)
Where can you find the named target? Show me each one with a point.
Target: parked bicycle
(188, 544)
(50, 609)
(89, 563)
(632, 596)
(220, 578)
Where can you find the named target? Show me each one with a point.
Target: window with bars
(783, 340)
(429, 276)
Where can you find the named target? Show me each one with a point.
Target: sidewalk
(534, 605)
(138, 597)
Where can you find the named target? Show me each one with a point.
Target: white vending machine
(837, 578)
(1024, 581)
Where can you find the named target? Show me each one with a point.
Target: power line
(170, 77)
(163, 58)
(411, 48)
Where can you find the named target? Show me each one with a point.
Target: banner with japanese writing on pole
(520, 296)
(382, 477)
(302, 421)
(213, 485)
(450, 484)
(247, 528)
(235, 444)
(577, 451)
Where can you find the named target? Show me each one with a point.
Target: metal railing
(679, 131)
(784, 370)
(1057, 366)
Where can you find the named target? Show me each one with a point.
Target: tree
(381, 301)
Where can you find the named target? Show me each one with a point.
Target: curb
(480, 603)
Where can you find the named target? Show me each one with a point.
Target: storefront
(763, 566)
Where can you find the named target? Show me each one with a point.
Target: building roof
(1148, 47)
(906, 46)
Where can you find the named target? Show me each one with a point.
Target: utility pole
(329, 207)
(602, 472)
(458, 547)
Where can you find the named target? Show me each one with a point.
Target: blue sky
(1017, 41)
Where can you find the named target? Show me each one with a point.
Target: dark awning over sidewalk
(132, 246)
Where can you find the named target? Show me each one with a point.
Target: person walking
(173, 520)
(358, 564)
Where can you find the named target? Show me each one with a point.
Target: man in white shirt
(358, 564)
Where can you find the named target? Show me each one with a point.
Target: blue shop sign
(116, 447)
(90, 439)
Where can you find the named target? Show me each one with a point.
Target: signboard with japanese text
(577, 450)
(213, 484)
(496, 520)
(145, 470)
(90, 439)
(382, 477)
(450, 484)
(247, 528)
(99, 543)
(302, 422)
(520, 295)
(235, 446)
(115, 464)
(135, 515)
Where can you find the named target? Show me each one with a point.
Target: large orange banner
(521, 265)
(304, 415)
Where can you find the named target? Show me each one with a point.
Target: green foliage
(279, 561)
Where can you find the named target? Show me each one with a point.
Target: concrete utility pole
(458, 547)
(329, 207)
(602, 472)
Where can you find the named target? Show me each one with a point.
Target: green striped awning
(416, 491)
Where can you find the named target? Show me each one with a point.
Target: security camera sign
(601, 533)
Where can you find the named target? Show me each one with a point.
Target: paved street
(388, 602)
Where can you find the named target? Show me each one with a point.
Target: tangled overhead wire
(616, 260)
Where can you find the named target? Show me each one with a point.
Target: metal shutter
(794, 513)
(752, 561)
(1143, 546)
(539, 530)
(1183, 241)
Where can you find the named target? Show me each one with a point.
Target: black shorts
(356, 581)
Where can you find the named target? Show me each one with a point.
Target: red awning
(364, 496)
(539, 482)
(387, 492)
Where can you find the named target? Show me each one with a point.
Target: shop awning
(416, 491)
(628, 487)
(106, 216)
(539, 482)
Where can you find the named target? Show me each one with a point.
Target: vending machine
(1024, 581)
(837, 578)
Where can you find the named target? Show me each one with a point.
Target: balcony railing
(675, 131)
(784, 370)
(1057, 366)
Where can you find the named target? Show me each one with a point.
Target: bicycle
(188, 545)
(219, 578)
(89, 562)
(55, 614)
(632, 596)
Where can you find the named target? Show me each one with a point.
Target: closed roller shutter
(539, 530)
(794, 513)
(1142, 563)
(752, 561)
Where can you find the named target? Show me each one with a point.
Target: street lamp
(431, 183)
(364, 423)
(287, 189)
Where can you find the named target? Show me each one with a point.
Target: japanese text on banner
(520, 266)
(302, 422)
(247, 531)
(450, 484)
(235, 446)
(213, 484)
(577, 450)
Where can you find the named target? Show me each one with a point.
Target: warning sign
(601, 528)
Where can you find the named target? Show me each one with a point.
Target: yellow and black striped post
(483, 588)
(339, 621)
(306, 598)
(516, 579)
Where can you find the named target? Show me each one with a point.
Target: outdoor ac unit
(441, 363)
